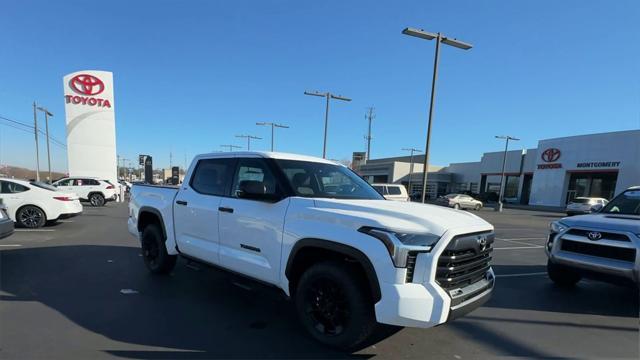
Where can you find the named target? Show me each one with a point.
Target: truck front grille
(411, 265)
(465, 260)
(603, 251)
(605, 235)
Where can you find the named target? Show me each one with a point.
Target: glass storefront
(592, 185)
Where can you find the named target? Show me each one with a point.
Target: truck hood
(400, 216)
(630, 223)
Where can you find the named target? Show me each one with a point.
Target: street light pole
(35, 126)
(46, 122)
(412, 150)
(328, 97)
(273, 126)
(498, 206)
(249, 137)
(448, 41)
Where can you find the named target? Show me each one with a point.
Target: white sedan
(31, 204)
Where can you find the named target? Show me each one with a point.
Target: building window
(511, 187)
(473, 187)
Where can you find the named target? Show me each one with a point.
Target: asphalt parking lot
(79, 289)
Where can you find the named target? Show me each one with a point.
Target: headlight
(557, 227)
(400, 244)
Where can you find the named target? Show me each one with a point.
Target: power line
(30, 127)
(17, 122)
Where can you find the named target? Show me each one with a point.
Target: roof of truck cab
(267, 154)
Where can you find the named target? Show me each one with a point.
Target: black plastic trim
(358, 255)
(156, 213)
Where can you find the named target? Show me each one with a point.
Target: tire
(31, 217)
(154, 251)
(96, 199)
(478, 207)
(456, 206)
(562, 275)
(334, 306)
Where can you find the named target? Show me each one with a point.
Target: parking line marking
(526, 238)
(523, 274)
(519, 247)
(65, 221)
(10, 245)
(34, 230)
(517, 242)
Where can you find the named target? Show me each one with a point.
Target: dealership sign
(598, 164)
(85, 86)
(550, 156)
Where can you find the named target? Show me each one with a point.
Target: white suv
(96, 191)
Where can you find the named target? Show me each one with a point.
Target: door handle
(225, 209)
(181, 202)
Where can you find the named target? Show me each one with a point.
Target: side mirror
(255, 190)
(596, 208)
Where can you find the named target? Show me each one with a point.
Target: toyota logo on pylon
(86, 84)
(550, 155)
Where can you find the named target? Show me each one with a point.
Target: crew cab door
(195, 208)
(251, 230)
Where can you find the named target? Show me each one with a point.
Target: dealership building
(558, 170)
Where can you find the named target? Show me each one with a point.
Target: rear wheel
(333, 305)
(31, 217)
(562, 275)
(96, 199)
(456, 206)
(154, 251)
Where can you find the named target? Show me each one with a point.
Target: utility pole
(249, 137)
(46, 121)
(412, 150)
(328, 96)
(170, 159)
(370, 116)
(230, 147)
(273, 126)
(440, 38)
(35, 126)
(504, 163)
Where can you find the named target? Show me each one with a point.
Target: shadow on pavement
(538, 292)
(194, 313)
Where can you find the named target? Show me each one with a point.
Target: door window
(65, 182)
(254, 170)
(211, 176)
(394, 190)
(7, 187)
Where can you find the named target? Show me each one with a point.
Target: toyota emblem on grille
(482, 241)
(594, 235)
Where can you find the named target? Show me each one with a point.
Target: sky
(190, 75)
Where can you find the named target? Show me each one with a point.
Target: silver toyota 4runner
(604, 245)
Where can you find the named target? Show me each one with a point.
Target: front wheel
(478, 207)
(31, 217)
(334, 306)
(96, 199)
(562, 275)
(154, 251)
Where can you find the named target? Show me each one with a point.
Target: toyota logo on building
(86, 84)
(550, 155)
(594, 235)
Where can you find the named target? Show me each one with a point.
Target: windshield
(451, 196)
(43, 186)
(310, 179)
(627, 203)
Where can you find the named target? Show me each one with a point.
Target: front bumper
(6, 227)
(423, 302)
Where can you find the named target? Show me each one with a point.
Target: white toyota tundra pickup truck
(348, 258)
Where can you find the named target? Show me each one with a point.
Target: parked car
(32, 204)
(585, 205)
(93, 190)
(393, 192)
(324, 236)
(604, 245)
(6, 224)
(459, 201)
(126, 184)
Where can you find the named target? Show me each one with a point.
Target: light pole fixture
(231, 147)
(249, 137)
(47, 113)
(328, 96)
(412, 151)
(273, 126)
(440, 38)
(498, 206)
